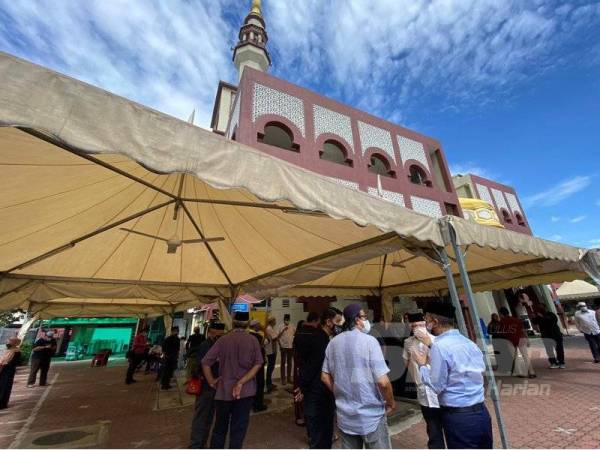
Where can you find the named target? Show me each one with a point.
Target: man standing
(427, 398)
(41, 355)
(551, 336)
(355, 371)
(455, 374)
(585, 321)
(259, 398)
(239, 359)
(136, 355)
(170, 349)
(191, 347)
(204, 409)
(271, 337)
(286, 345)
(310, 344)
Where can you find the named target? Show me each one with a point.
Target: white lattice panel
(371, 136)
(390, 196)
(271, 101)
(328, 121)
(513, 203)
(349, 184)
(235, 116)
(484, 194)
(426, 206)
(500, 200)
(410, 149)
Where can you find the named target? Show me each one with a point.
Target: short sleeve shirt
(355, 361)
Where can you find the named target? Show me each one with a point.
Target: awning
(109, 208)
(577, 290)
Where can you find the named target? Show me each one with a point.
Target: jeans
(319, 413)
(380, 438)
(43, 366)
(270, 368)
(435, 431)
(204, 413)
(594, 343)
(287, 358)
(554, 349)
(471, 429)
(233, 417)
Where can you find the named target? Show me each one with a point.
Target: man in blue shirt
(355, 371)
(455, 373)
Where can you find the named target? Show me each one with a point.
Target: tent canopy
(111, 208)
(94, 189)
(576, 290)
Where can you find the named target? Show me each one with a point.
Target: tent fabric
(576, 290)
(92, 186)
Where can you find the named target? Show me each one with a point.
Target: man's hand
(423, 336)
(389, 409)
(418, 357)
(237, 391)
(214, 382)
(298, 395)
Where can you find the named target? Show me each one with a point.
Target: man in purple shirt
(240, 358)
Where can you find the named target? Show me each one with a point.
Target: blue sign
(240, 307)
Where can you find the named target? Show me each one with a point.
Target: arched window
(380, 166)
(520, 219)
(418, 176)
(506, 216)
(335, 152)
(278, 135)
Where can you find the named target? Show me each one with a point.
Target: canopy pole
(27, 325)
(480, 338)
(462, 326)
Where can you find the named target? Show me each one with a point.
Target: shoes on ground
(31, 385)
(260, 408)
(554, 366)
(561, 366)
(532, 375)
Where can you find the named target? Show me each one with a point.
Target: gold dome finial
(256, 7)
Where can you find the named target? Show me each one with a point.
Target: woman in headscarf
(8, 366)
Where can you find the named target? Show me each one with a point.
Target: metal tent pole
(480, 338)
(462, 326)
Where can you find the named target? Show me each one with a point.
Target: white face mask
(429, 327)
(367, 326)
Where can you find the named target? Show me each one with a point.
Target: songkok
(216, 326)
(416, 317)
(241, 316)
(582, 305)
(351, 311)
(441, 309)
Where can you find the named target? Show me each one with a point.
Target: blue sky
(510, 87)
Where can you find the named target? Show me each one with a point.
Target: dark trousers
(134, 361)
(594, 343)
(168, 369)
(319, 417)
(7, 378)
(270, 369)
(471, 429)
(555, 349)
(259, 399)
(41, 365)
(204, 414)
(435, 431)
(286, 364)
(233, 417)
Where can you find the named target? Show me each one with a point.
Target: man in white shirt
(286, 345)
(585, 321)
(428, 399)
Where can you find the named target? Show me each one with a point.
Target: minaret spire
(251, 49)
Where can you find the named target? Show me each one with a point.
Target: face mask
(429, 327)
(367, 326)
(584, 309)
(50, 335)
(337, 329)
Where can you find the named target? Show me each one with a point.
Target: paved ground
(93, 407)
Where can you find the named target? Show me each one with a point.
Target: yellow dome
(480, 211)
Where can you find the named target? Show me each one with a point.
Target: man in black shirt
(310, 344)
(42, 352)
(259, 399)
(552, 337)
(170, 349)
(204, 410)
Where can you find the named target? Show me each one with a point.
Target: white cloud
(556, 237)
(577, 219)
(558, 193)
(554, 219)
(471, 167)
(594, 241)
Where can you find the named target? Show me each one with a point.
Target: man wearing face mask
(319, 405)
(41, 355)
(355, 371)
(455, 374)
(427, 398)
(585, 321)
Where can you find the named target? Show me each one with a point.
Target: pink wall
(308, 156)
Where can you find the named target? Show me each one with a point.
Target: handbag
(194, 386)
